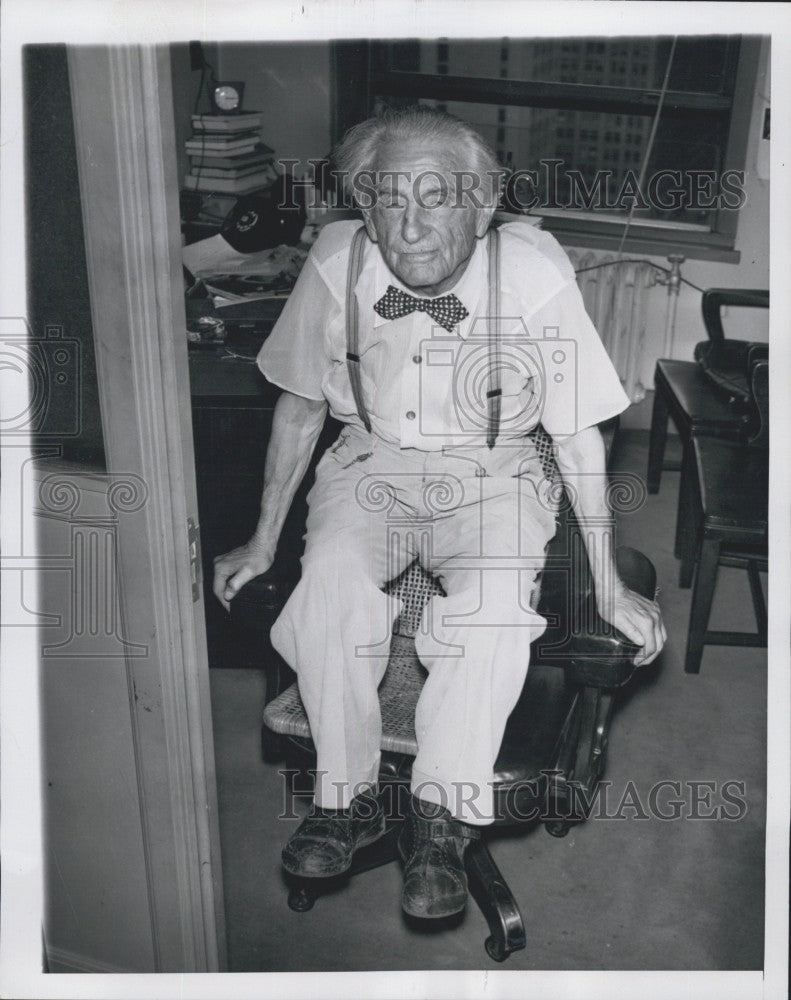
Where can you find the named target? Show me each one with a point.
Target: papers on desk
(232, 277)
(231, 289)
(215, 255)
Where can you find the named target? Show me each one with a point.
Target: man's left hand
(639, 619)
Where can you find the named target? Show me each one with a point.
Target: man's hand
(234, 569)
(639, 619)
(296, 425)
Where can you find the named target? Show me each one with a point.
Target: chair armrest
(261, 600)
(756, 353)
(759, 386)
(604, 657)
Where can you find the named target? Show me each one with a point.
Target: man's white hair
(355, 155)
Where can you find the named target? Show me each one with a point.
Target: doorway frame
(125, 137)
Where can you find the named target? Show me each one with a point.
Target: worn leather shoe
(325, 841)
(432, 846)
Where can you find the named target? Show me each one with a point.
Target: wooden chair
(699, 408)
(730, 523)
(553, 751)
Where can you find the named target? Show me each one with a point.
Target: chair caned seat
(398, 696)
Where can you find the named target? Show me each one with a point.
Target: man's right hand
(234, 569)
(296, 425)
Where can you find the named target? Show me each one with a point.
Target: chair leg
(656, 448)
(702, 595)
(496, 902)
(759, 604)
(685, 514)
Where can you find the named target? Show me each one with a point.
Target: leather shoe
(432, 846)
(325, 841)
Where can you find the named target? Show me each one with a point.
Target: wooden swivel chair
(553, 751)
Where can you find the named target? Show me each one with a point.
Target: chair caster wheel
(495, 949)
(557, 827)
(301, 900)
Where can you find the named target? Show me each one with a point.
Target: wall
(185, 82)
(289, 83)
(57, 274)
(96, 904)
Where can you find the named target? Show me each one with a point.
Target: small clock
(226, 97)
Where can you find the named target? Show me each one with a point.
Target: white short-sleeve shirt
(426, 388)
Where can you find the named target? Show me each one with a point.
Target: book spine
(231, 172)
(234, 162)
(226, 124)
(227, 185)
(205, 149)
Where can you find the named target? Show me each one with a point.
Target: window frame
(695, 241)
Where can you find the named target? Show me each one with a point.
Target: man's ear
(369, 225)
(483, 221)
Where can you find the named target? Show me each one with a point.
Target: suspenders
(353, 326)
(493, 395)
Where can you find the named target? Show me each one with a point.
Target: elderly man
(393, 327)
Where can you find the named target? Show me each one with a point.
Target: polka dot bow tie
(447, 310)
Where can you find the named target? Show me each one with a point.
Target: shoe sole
(370, 838)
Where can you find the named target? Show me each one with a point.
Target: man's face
(425, 233)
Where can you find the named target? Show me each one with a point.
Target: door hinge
(193, 538)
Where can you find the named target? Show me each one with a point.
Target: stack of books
(227, 156)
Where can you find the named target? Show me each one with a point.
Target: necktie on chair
(446, 310)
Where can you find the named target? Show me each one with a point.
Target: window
(569, 96)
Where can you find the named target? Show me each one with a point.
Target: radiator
(616, 299)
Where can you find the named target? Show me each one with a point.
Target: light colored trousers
(478, 519)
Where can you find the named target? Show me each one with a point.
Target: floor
(628, 890)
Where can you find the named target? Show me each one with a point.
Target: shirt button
(417, 359)
(410, 414)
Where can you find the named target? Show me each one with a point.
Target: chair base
(497, 903)
(487, 887)
(560, 796)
